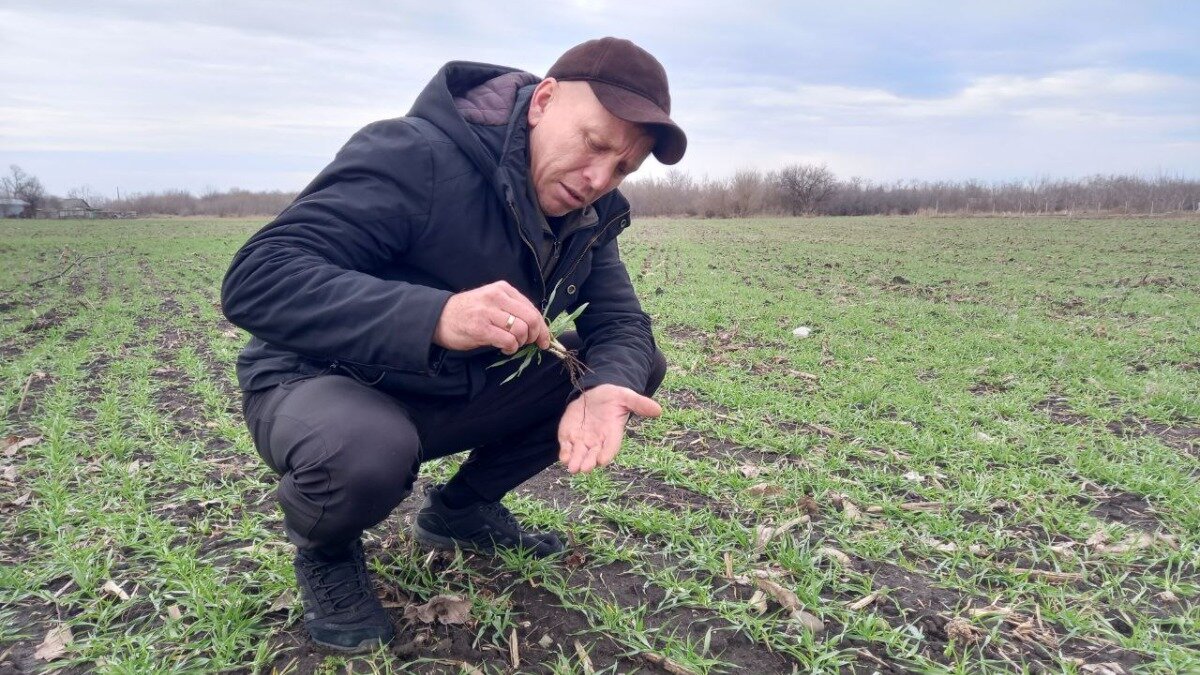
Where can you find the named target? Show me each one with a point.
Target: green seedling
(531, 352)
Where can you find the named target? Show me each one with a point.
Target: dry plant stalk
(668, 664)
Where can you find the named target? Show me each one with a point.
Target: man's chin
(556, 210)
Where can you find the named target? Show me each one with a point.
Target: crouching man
(432, 244)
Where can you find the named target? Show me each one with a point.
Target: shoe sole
(437, 541)
(365, 646)
(446, 543)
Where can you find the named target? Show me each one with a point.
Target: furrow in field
(595, 583)
(900, 584)
(78, 411)
(1185, 438)
(536, 601)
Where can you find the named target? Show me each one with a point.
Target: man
(379, 298)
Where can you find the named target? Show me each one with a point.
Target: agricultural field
(985, 457)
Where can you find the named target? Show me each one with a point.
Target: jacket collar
(436, 104)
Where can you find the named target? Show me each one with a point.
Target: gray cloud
(147, 95)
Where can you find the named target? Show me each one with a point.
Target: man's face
(578, 151)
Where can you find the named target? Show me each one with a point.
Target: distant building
(11, 208)
(76, 208)
(73, 208)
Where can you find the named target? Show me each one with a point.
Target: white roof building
(12, 207)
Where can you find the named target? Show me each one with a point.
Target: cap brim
(670, 142)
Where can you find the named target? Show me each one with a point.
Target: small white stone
(979, 435)
(914, 476)
(802, 331)
(545, 642)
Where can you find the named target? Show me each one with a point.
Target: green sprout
(531, 352)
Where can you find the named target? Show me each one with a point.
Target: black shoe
(482, 527)
(341, 611)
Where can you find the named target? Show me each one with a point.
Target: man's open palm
(593, 425)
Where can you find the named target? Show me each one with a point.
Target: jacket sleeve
(304, 281)
(616, 332)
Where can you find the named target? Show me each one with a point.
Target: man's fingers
(502, 339)
(526, 313)
(506, 288)
(606, 455)
(642, 405)
(519, 328)
(539, 332)
(583, 458)
(524, 304)
(578, 452)
(589, 459)
(514, 302)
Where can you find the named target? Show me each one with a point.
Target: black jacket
(355, 272)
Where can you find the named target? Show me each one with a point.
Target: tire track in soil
(291, 639)
(910, 590)
(219, 369)
(37, 618)
(453, 644)
(912, 599)
(541, 607)
(722, 587)
(1111, 504)
(1183, 438)
(57, 314)
(628, 587)
(620, 581)
(174, 399)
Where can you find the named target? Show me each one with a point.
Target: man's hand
(593, 425)
(479, 318)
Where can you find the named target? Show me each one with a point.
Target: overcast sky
(147, 95)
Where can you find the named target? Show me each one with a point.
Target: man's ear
(542, 95)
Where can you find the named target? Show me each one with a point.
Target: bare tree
(795, 190)
(803, 187)
(234, 202)
(27, 188)
(746, 192)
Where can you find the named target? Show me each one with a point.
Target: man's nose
(598, 177)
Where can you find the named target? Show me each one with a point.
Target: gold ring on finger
(509, 324)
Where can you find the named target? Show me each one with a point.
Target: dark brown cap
(631, 84)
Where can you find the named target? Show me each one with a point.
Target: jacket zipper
(521, 231)
(593, 241)
(335, 365)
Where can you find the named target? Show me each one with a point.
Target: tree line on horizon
(806, 189)
(793, 190)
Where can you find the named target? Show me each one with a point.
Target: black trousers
(347, 453)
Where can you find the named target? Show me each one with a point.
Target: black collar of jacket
(436, 104)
